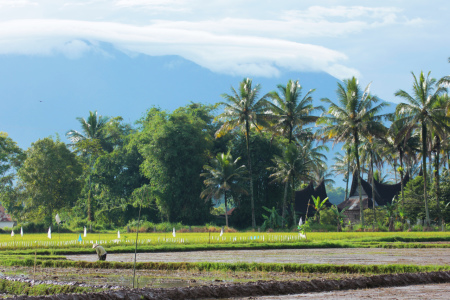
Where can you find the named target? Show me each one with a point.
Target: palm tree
(345, 165)
(421, 109)
(223, 176)
(290, 111)
(90, 143)
(244, 110)
(353, 117)
(93, 129)
(294, 162)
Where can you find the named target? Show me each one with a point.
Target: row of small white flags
(21, 232)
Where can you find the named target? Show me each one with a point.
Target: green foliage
(175, 147)
(273, 220)
(335, 194)
(50, 175)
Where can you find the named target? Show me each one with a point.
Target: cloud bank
(241, 45)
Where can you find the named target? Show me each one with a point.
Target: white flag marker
(84, 231)
(49, 232)
(118, 234)
(12, 232)
(21, 231)
(221, 231)
(173, 233)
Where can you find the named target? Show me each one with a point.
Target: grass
(25, 288)
(202, 241)
(234, 267)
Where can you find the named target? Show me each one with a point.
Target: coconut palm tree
(420, 108)
(354, 116)
(291, 112)
(93, 130)
(345, 165)
(223, 178)
(294, 162)
(244, 110)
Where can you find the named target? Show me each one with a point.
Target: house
(304, 197)
(384, 193)
(5, 219)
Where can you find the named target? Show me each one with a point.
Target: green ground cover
(197, 241)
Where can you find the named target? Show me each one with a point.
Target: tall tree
(175, 147)
(290, 110)
(420, 108)
(223, 178)
(244, 110)
(355, 115)
(11, 158)
(50, 174)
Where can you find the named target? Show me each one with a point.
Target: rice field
(79, 240)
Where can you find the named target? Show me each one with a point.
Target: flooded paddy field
(338, 256)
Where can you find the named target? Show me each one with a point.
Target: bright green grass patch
(241, 266)
(209, 240)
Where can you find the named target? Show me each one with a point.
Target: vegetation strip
(242, 266)
(264, 288)
(27, 288)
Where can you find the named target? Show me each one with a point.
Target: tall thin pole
(135, 248)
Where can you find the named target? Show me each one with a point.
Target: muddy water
(429, 291)
(437, 256)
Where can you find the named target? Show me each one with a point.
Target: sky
(380, 42)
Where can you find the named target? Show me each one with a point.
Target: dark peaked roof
(352, 203)
(383, 192)
(302, 197)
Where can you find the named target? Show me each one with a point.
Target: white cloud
(244, 55)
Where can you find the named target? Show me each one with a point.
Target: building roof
(304, 196)
(352, 203)
(383, 192)
(4, 217)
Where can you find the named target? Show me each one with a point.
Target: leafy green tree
(289, 111)
(420, 108)
(175, 147)
(223, 176)
(50, 175)
(11, 158)
(335, 194)
(356, 115)
(244, 110)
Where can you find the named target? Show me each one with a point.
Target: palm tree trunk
(401, 178)
(252, 202)
(373, 189)
(361, 209)
(283, 210)
(349, 150)
(226, 208)
(424, 164)
(437, 178)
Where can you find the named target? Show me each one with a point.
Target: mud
(428, 291)
(255, 289)
(421, 256)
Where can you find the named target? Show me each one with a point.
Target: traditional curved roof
(303, 196)
(383, 192)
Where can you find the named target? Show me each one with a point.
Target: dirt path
(428, 291)
(258, 289)
(431, 256)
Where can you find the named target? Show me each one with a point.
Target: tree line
(251, 150)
